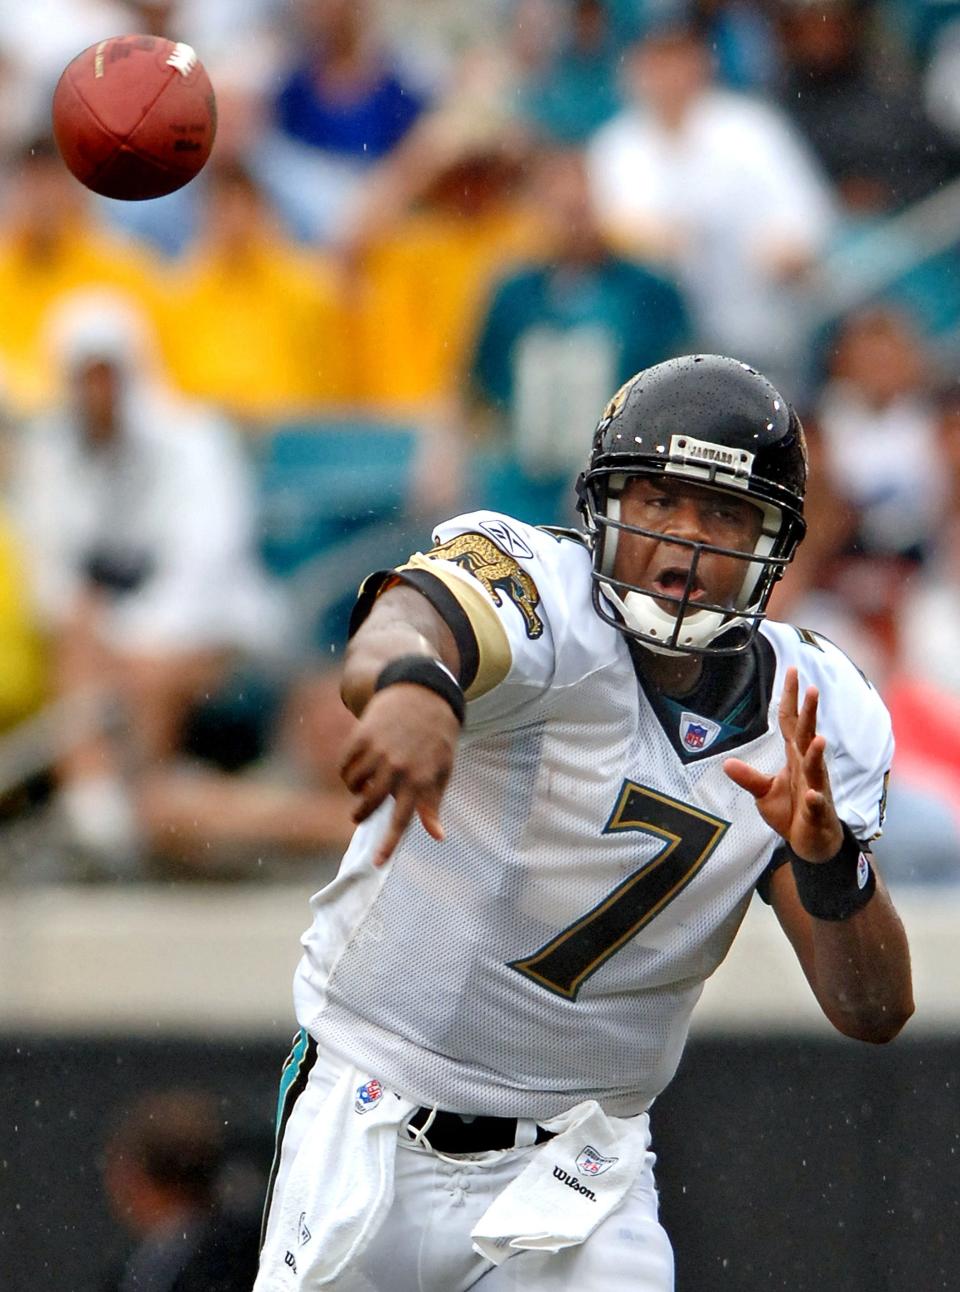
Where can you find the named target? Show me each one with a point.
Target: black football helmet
(715, 422)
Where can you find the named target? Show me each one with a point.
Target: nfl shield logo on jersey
(368, 1095)
(697, 733)
(590, 1162)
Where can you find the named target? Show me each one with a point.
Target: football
(134, 117)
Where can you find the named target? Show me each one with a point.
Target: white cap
(99, 326)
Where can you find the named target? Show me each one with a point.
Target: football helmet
(718, 423)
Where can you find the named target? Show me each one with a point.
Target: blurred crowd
(431, 240)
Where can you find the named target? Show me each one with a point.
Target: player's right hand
(404, 744)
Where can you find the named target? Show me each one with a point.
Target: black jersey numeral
(689, 835)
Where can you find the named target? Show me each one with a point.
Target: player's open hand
(404, 744)
(797, 802)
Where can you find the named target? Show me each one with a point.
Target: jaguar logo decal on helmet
(615, 407)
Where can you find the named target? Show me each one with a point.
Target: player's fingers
(371, 793)
(806, 727)
(788, 705)
(399, 820)
(358, 768)
(815, 773)
(748, 778)
(430, 818)
(817, 805)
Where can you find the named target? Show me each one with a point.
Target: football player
(578, 754)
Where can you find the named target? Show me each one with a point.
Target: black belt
(449, 1133)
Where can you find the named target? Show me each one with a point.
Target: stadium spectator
(51, 246)
(718, 187)
(23, 674)
(808, 594)
(443, 219)
(879, 430)
(577, 91)
(37, 40)
(163, 1174)
(137, 515)
(923, 692)
(240, 51)
(344, 103)
(561, 330)
(743, 36)
(929, 618)
(246, 290)
(213, 27)
(284, 807)
(862, 114)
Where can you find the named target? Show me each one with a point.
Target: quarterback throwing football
(578, 754)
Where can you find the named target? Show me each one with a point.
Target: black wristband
(423, 670)
(834, 889)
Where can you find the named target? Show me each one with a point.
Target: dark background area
(783, 1163)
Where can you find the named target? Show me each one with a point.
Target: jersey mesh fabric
(411, 970)
(424, 993)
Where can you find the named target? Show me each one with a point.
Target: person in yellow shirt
(253, 322)
(441, 221)
(50, 246)
(23, 674)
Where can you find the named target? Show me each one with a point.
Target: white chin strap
(641, 612)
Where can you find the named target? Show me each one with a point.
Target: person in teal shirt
(556, 333)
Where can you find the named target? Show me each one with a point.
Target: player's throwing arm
(400, 681)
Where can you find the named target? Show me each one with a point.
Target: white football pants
(424, 1243)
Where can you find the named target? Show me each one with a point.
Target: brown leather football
(134, 117)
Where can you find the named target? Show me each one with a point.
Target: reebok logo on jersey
(507, 538)
(572, 1182)
(590, 1162)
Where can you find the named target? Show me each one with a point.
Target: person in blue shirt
(347, 95)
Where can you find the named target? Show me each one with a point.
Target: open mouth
(672, 582)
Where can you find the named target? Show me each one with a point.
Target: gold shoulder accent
(493, 645)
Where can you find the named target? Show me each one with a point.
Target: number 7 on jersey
(689, 836)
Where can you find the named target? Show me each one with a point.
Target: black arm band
(422, 670)
(834, 889)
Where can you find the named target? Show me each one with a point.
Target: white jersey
(597, 860)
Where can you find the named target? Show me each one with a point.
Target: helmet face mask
(710, 422)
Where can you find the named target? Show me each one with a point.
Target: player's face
(692, 513)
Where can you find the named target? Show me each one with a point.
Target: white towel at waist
(340, 1186)
(571, 1183)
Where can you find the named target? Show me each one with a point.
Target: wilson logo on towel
(573, 1183)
